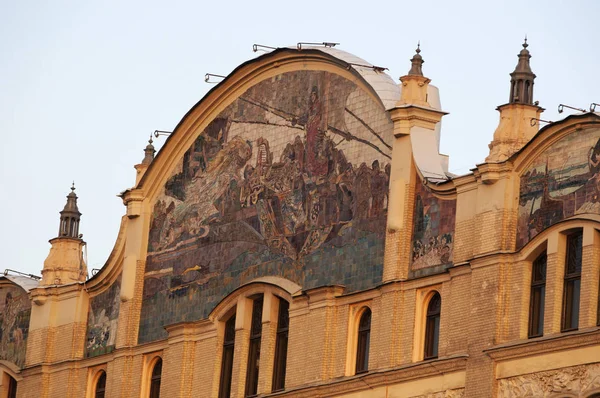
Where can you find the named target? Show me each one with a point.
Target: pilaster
(590, 276)
(555, 271)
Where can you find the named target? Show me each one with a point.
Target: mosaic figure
(284, 182)
(433, 231)
(561, 182)
(15, 311)
(103, 321)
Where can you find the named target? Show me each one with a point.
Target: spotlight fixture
(562, 106)
(209, 75)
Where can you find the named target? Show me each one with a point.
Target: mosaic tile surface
(561, 182)
(103, 319)
(15, 311)
(433, 231)
(289, 180)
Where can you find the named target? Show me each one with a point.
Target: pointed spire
(417, 62)
(522, 79)
(70, 217)
(149, 152)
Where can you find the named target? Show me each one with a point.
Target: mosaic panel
(103, 319)
(561, 182)
(433, 230)
(289, 180)
(15, 311)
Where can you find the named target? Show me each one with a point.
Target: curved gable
(560, 175)
(287, 176)
(15, 311)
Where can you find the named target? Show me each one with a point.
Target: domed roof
(385, 87)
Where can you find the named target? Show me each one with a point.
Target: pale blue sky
(82, 84)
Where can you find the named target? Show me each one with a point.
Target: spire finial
(417, 62)
(70, 216)
(149, 152)
(522, 78)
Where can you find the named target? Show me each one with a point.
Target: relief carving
(573, 380)
(457, 393)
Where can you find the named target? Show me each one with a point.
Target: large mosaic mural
(563, 181)
(103, 319)
(15, 311)
(433, 230)
(289, 180)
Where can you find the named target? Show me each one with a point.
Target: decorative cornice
(544, 345)
(378, 378)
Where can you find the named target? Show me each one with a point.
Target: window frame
(539, 267)
(281, 346)
(228, 345)
(254, 346)
(99, 375)
(363, 341)
(151, 392)
(571, 299)
(431, 336)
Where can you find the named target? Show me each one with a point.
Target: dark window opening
(101, 385)
(572, 283)
(432, 327)
(364, 342)
(155, 380)
(227, 359)
(281, 344)
(538, 296)
(254, 351)
(12, 388)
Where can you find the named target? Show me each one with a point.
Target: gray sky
(83, 84)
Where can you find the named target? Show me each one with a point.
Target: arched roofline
(227, 91)
(536, 245)
(444, 190)
(283, 288)
(112, 268)
(7, 282)
(550, 134)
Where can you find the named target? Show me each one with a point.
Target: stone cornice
(377, 378)
(546, 344)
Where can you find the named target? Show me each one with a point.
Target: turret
(516, 128)
(141, 168)
(65, 263)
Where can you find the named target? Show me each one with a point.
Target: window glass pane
(254, 349)
(227, 359)
(281, 343)
(155, 381)
(432, 327)
(101, 385)
(12, 388)
(537, 299)
(571, 291)
(363, 342)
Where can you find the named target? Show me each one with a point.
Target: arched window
(227, 359)
(155, 379)
(572, 282)
(432, 327)
(538, 295)
(100, 385)
(363, 342)
(12, 387)
(254, 349)
(281, 344)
